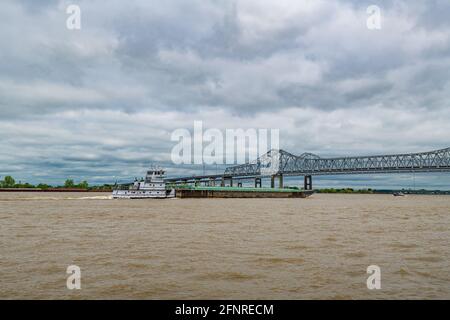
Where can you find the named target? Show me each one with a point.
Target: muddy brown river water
(315, 248)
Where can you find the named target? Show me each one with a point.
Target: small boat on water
(152, 187)
(398, 194)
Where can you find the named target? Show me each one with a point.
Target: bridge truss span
(280, 162)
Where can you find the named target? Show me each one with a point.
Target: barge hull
(189, 193)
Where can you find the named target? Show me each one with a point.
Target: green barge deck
(240, 192)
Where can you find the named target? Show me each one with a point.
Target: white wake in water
(96, 198)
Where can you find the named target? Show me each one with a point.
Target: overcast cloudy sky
(102, 102)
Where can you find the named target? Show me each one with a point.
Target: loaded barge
(154, 187)
(240, 192)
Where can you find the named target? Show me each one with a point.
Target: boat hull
(125, 194)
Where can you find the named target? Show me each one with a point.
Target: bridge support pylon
(308, 183)
(258, 183)
(280, 181)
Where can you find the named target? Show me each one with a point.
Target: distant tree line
(344, 190)
(10, 182)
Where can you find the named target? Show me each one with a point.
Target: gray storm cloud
(102, 101)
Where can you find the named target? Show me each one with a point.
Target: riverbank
(327, 191)
(52, 190)
(383, 191)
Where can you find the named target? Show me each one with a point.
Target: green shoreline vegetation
(10, 183)
(345, 190)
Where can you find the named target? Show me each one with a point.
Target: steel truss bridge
(279, 163)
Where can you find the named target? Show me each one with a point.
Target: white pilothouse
(153, 186)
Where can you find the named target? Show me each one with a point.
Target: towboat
(152, 187)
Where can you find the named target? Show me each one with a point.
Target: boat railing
(122, 187)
